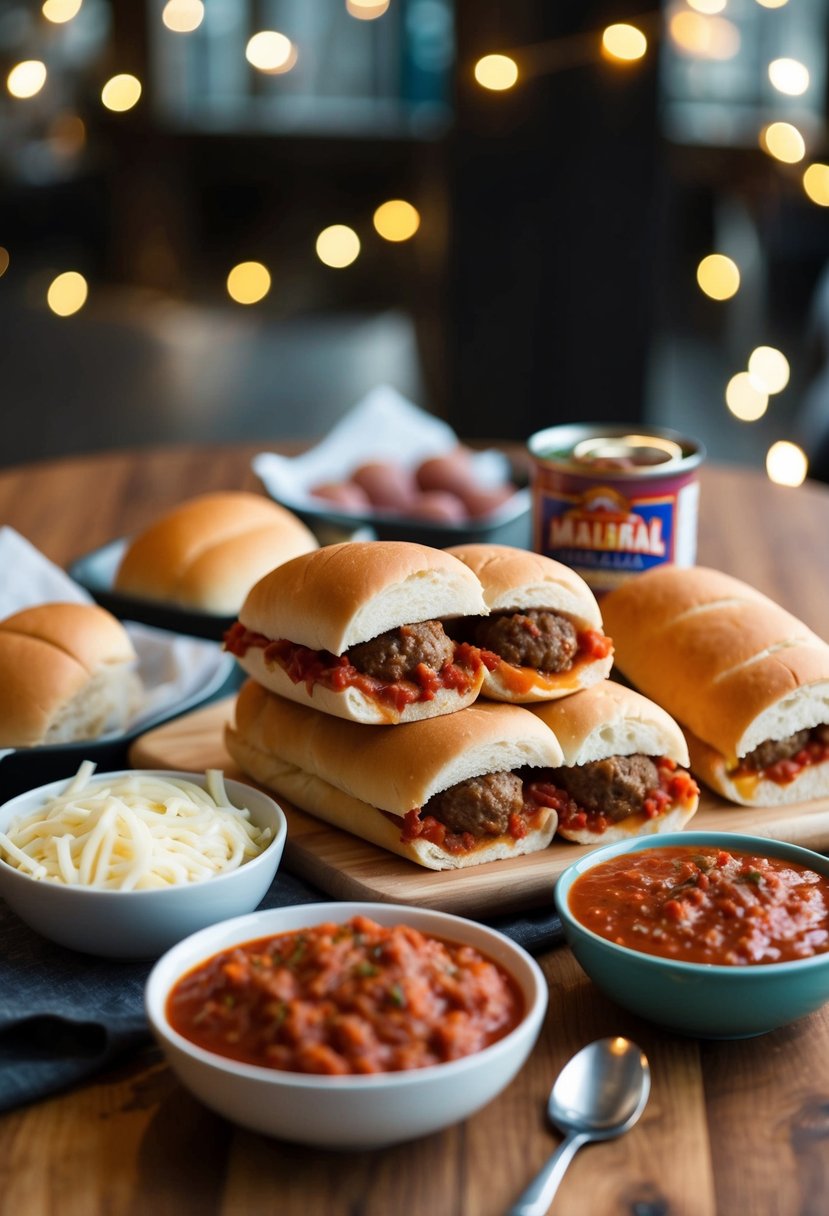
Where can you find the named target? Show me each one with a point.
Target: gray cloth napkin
(64, 1015)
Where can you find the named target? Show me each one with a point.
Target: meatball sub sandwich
(624, 768)
(748, 681)
(356, 630)
(443, 792)
(544, 627)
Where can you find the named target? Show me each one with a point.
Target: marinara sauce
(705, 905)
(341, 999)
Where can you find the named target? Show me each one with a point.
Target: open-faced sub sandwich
(624, 771)
(544, 627)
(356, 630)
(748, 681)
(443, 792)
(68, 673)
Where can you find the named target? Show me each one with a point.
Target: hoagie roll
(748, 681)
(544, 626)
(445, 792)
(356, 630)
(624, 766)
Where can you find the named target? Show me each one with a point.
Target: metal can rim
(554, 445)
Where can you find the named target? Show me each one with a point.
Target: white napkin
(174, 670)
(383, 426)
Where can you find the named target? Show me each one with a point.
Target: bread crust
(348, 593)
(729, 664)
(66, 674)
(518, 579)
(208, 552)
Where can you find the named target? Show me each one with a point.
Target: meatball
(395, 655)
(480, 805)
(615, 786)
(772, 750)
(534, 638)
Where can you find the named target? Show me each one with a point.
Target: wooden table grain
(731, 1127)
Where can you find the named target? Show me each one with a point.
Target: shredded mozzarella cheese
(134, 833)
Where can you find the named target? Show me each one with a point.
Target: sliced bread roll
(545, 625)
(424, 790)
(746, 679)
(624, 768)
(67, 674)
(356, 630)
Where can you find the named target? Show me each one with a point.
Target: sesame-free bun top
(514, 579)
(393, 768)
(344, 594)
(66, 674)
(611, 720)
(207, 553)
(728, 663)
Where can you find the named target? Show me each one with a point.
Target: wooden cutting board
(346, 867)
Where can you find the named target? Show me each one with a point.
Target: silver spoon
(598, 1094)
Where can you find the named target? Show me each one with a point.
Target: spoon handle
(536, 1199)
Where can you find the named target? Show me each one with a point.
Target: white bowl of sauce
(346, 1025)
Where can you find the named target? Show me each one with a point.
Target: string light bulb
(783, 141)
(789, 76)
(786, 463)
(271, 52)
(67, 293)
(396, 220)
(26, 79)
(366, 10)
(769, 367)
(718, 276)
(121, 93)
(183, 16)
(338, 246)
(816, 184)
(746, 398)
(248, 282)
(60, 11)
(623, 42)
(496, 72)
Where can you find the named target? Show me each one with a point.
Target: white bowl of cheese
(126, 864)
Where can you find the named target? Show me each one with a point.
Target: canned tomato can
(614, 501)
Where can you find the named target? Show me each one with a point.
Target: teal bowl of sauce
(710, 934)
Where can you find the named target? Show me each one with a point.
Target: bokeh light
(772, 3)
(496, 72)
(366, 10)
(272, 52)
(816, 184)
(121, 92)
(26, 79)
(789, 76)
(707, 37)
(769, 367)
(709, 7)
(59, 11)
(66, 134)
(786, 463)
(338, 246)
(396, 220)
(4, 260)
(624, 42)
(183, 16)
(248, 282)
(746, 399)
(67, 293)
(718, 276)
(784, 142)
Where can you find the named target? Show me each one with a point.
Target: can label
(611, 520)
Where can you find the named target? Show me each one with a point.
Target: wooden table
(731, 1127)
